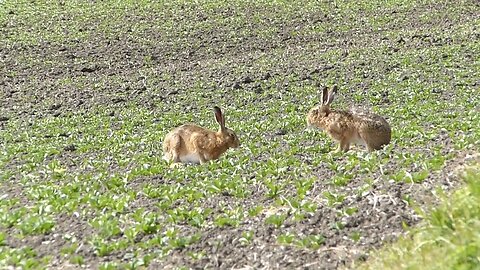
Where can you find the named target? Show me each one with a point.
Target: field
(88, 90)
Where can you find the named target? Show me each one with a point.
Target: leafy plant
(276, 220)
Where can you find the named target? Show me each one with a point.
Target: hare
(346, 127)
(193, 144)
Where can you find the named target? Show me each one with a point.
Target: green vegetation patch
(448, 238)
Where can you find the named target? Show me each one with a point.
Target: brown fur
(191, 139)
(346, 127)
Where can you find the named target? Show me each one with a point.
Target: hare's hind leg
(372, 144)
(368, 139)
(172, 148)
(370, 148)
(202, 159)
(175, 158)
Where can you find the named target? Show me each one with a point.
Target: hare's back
(189, 129)
(372, 122)
(184, 133)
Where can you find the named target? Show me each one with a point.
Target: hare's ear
(331, 95)
(219, 117)
(324, 96)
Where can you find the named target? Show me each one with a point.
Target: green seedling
(276, 220)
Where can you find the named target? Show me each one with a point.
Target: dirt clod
(70, 147)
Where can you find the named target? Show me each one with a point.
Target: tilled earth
(240, 50)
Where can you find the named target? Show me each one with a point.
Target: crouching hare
(346, 127)
(193, 144)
